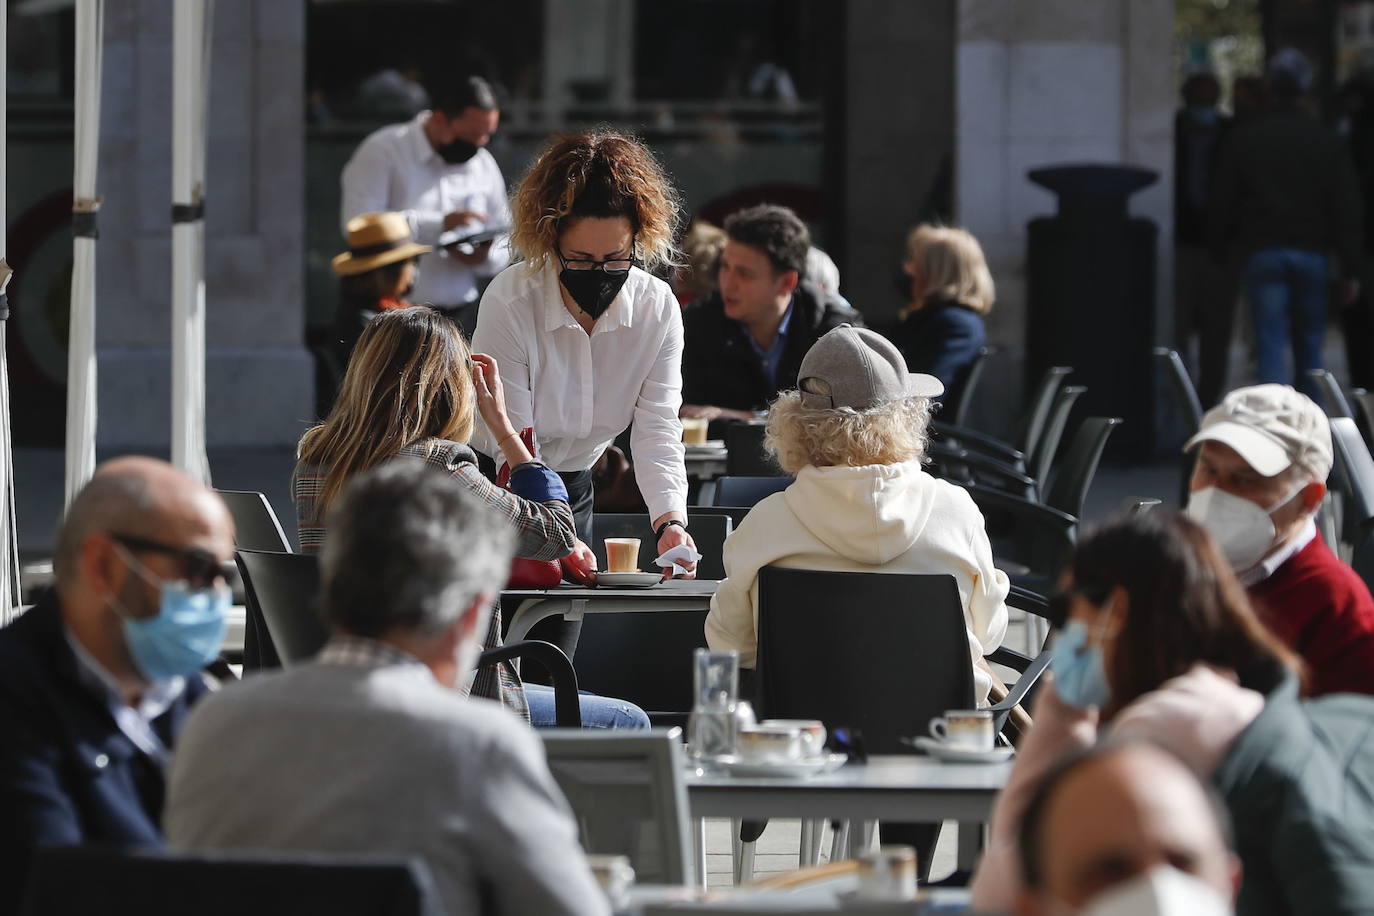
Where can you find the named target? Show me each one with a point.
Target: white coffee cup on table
(966, 729)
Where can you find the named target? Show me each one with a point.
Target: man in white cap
(1263, 455)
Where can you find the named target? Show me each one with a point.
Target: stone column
(1053, 82)
(260, 378)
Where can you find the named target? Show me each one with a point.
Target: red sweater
(1323, 611)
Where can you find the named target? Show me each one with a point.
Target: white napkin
(685, 552)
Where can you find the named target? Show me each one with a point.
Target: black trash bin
(1091, 296)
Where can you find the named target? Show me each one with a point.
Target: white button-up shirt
(578, 390)
(397, 169)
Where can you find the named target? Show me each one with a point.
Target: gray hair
(409, 548)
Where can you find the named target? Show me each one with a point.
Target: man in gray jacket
(367, 749)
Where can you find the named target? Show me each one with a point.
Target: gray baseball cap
(858, 368)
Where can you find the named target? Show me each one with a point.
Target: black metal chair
(961, 438)
(1336, 404)
(101, 879)
(880, 654)
(286, 587)
(1185, 393)
(709, 531)
(255, 524)
(748, 491)
(255, 528)
(745, 454)
(968, 386)
(1352, 478)
(1074, 473)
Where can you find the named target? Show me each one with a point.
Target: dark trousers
(581, 496)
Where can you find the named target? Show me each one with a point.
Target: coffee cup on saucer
(813, 733)
(770, 743)
(964, 729)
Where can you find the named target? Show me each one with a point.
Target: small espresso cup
(967, 729)
(622, 555)
(694, 430)
(812, 733)
(769, 743)
(888, 873)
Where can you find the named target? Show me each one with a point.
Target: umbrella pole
(81, 358)
(190, 69)
(9, 534)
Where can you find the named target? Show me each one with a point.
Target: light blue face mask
(187, 633)
(1079, 676)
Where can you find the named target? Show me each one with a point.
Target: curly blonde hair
(599, 173)
(890, 433)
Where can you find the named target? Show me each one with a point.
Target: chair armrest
(567, 712)
(1010, 658)
(978, 441)
(1007, 476)
(1018, 691)
(1031, 602)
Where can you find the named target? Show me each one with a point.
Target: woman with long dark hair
(1160, 643)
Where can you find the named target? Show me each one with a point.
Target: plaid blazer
(544, 531)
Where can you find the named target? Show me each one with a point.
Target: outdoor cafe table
(524, 607)
(898, 788)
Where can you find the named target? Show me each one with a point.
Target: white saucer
(962, 755)
(710, 445)
(628, 579)
(808, 766)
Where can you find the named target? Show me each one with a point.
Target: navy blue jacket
(68, 775)
(942, 339)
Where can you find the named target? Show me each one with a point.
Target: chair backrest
(967, 386)
(1185, 393)
(96, 879)
(1075, 473)
(1038, 410)
(255, 524)
(736, 514)
(1336, 403)
(746, 456)
(1364, 403)
(286, 589)
(628, 794)
(1354, 467)
(748, 491)
(709, 531)
(1053, 434)
(881, 653)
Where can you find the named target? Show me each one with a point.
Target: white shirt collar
(1270, 564)
(556, 315)
(424, 150)
(136, 722)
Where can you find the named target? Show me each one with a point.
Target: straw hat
(376, 240)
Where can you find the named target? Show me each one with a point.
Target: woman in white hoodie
(854, 433)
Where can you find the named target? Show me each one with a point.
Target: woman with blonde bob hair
(948, 289)
(412, 390)
(853, 433)
(590, 341)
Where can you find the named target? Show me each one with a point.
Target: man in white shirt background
(434, 169)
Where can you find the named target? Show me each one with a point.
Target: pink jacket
(1196, 716)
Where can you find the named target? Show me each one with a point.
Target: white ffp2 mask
(1243, 530)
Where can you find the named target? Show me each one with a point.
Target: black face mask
(593, 290)
(456, 152)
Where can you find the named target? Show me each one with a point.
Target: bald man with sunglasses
(97, 678)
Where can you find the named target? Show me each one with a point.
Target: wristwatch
(658, 532)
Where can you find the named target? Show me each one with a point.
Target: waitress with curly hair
(589, 342)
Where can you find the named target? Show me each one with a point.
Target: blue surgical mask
(1079, 675)
(187, 633)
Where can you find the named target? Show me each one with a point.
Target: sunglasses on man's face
(199, 568)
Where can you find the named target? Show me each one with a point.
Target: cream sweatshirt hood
(870, 515)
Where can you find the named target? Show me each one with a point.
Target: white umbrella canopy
(190, 97)
(81, 400)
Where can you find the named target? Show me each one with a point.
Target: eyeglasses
(199, 567)
(611, 266)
